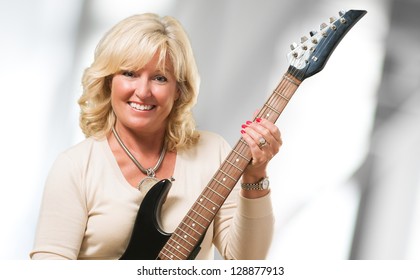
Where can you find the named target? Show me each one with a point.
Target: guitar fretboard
(191, 230)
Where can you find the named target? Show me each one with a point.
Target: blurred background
(346, 182)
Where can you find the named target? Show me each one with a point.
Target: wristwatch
(262, 184)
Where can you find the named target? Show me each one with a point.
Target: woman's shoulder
(209, 145)
(82, 151)
(211, 139)
(209, 134)
(83, 146)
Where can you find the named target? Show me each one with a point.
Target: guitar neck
(191, 230)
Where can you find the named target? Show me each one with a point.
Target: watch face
(265, 183)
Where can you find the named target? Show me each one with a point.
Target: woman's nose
(142, 90)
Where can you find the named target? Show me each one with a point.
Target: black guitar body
(147, 238)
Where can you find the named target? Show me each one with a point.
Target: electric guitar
(148, 240)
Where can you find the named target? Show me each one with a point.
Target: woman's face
(142, 99)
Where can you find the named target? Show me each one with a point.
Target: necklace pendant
(146, 184)
(150, 172)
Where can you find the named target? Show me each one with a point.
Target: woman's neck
(147, 144)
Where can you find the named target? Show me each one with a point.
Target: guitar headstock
(311, 55)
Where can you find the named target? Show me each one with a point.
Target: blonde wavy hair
(131, 44)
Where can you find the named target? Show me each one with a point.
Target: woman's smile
(141, 107)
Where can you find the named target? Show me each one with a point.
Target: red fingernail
(248, 122)
(244, 126)
(258, 119)
(243, 131)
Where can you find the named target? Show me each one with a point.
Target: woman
(136, 115)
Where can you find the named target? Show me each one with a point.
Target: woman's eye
(161, 79)
(128, 73)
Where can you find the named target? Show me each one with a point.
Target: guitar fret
(242, 156)
(214, 208)
(281, 95)
(216, 192)
(176, 250)
(290, 80)
(162, 253)
(231, 163)
(169, 257)
(187, 225)
(183, 238)
(201, 199)
(243, 141)
(186, 234)
(224, 173)
(194, 221)
(272, 109)
(200, 215)
(220, 183)
(178, 245)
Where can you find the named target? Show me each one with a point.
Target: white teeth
(141, 107)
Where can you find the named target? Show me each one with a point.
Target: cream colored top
(88, 207)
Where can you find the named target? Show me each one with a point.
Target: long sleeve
(244, 229)
(63, 214)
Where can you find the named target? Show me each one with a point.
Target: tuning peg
(312, 33)
(341, 13)
(332, 19)
(303, 39)
(323, 25)
(293, 46)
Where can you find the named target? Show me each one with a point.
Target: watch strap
(254, 186)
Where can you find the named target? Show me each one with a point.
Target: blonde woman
(136, 115)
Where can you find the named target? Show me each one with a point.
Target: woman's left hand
(264, 141)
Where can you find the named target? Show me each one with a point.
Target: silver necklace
(150, 180)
